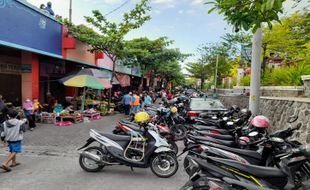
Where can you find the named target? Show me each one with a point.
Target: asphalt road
(50, 162)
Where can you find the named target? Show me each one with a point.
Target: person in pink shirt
(29, 113)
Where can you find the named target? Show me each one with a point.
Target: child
(12, 134)
(58, 110)
(37, 106)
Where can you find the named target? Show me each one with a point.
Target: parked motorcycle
(293, 174)
(149, 150)
(127, 128)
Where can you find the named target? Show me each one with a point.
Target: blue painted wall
(25, 28)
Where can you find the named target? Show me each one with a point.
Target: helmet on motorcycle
(141, 117)
(173, 109)
(260, 121)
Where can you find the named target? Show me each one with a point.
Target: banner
(26, 27)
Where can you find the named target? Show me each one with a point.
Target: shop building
(36, 51)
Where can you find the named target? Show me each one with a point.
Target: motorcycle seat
(202, 139)
(133, 127)
(256, 171)
(124, 121)
(116, 137)
(209, 128)
(217, 136)
(241, 152)
(203, 127)
(218, 141)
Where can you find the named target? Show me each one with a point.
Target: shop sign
(26, 68)
(10, 68)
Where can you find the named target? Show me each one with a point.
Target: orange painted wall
(26, 77)
(81, 53)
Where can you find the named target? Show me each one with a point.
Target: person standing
(49, 9)
(29, 113)
(169, 95)
(135, 102)
(126, 102)
(12, 134)
(3, 110)
(164, 96)
(147, 99)
(50, 102)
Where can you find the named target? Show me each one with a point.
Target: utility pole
(70, 11)
(215, 76)
(255, 72)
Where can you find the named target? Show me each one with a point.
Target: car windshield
(205, 104)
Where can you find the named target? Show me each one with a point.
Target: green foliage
(234, 41)
(200, 71)
(291, 38)
(110, 36)
(208, 54)
(245, 81)
(286, 76)
(144, 52)
(248, 14)
(191, 82)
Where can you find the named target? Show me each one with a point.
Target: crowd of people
(134, 102)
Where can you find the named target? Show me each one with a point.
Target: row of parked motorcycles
(228, 150)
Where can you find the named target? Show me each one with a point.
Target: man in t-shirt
(134, 103)
(126, 102)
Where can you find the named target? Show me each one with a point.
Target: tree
(108, 37)
(208, 55)
(154, 58)
(145, 53)
(250, 15)
(291, 38)
(200, 71)
(170, 71)
(233, 42)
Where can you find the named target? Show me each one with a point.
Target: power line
(123, 4)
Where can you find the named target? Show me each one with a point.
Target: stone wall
(275, 91)
(278, 110)
(240, 101)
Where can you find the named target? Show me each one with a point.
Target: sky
(186, 22)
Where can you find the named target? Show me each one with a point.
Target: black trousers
(31, 120)
(127, 109)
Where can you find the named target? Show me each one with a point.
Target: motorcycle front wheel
(179, 131)
(90, 165)
(164, 165)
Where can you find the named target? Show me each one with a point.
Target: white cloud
(191, 12)
(156, 11)
(163, 1)
(198, 2)
(164, 4)
(111, 2)
(180, 11)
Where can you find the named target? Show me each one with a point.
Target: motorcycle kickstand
(131, 168)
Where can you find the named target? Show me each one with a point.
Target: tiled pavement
(50, 161)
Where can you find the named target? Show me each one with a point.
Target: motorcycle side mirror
(292, 119)
(230, 123)
(253, 134)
